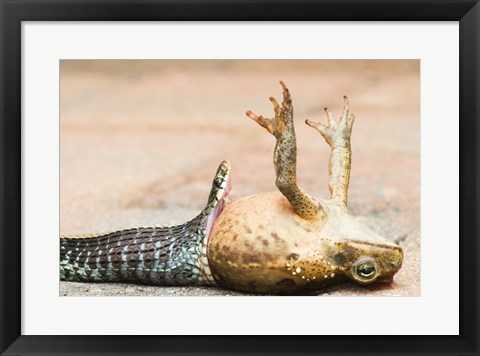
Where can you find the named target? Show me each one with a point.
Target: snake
(154, 255)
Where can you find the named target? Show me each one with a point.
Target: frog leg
(285, 156)
(337, 135)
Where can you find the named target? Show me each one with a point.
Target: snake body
(157, 255)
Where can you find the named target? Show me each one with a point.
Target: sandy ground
(141, 140)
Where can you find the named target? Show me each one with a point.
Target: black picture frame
(13, 12)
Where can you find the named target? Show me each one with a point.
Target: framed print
(115, 117)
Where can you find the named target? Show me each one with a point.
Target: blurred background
(140, 142)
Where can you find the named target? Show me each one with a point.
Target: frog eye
(366, 270)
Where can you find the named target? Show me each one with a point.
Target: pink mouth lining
(218, 208)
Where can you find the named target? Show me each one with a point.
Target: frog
(289, 242)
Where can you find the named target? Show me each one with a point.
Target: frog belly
(259, 245)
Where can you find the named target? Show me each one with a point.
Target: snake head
(219, 192)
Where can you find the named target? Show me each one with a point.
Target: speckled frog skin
(285, 242)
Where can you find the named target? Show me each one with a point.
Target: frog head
(356, 251)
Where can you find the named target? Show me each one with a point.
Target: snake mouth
(219, 195)
(224, 198)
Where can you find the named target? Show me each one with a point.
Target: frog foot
(285, 156)
(334, 133)
(283, 115)
(337, 135)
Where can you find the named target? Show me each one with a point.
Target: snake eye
(218, 182)
(366, 270)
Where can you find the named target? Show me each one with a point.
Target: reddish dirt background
(141, 140)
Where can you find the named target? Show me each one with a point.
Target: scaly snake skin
(158, 255)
